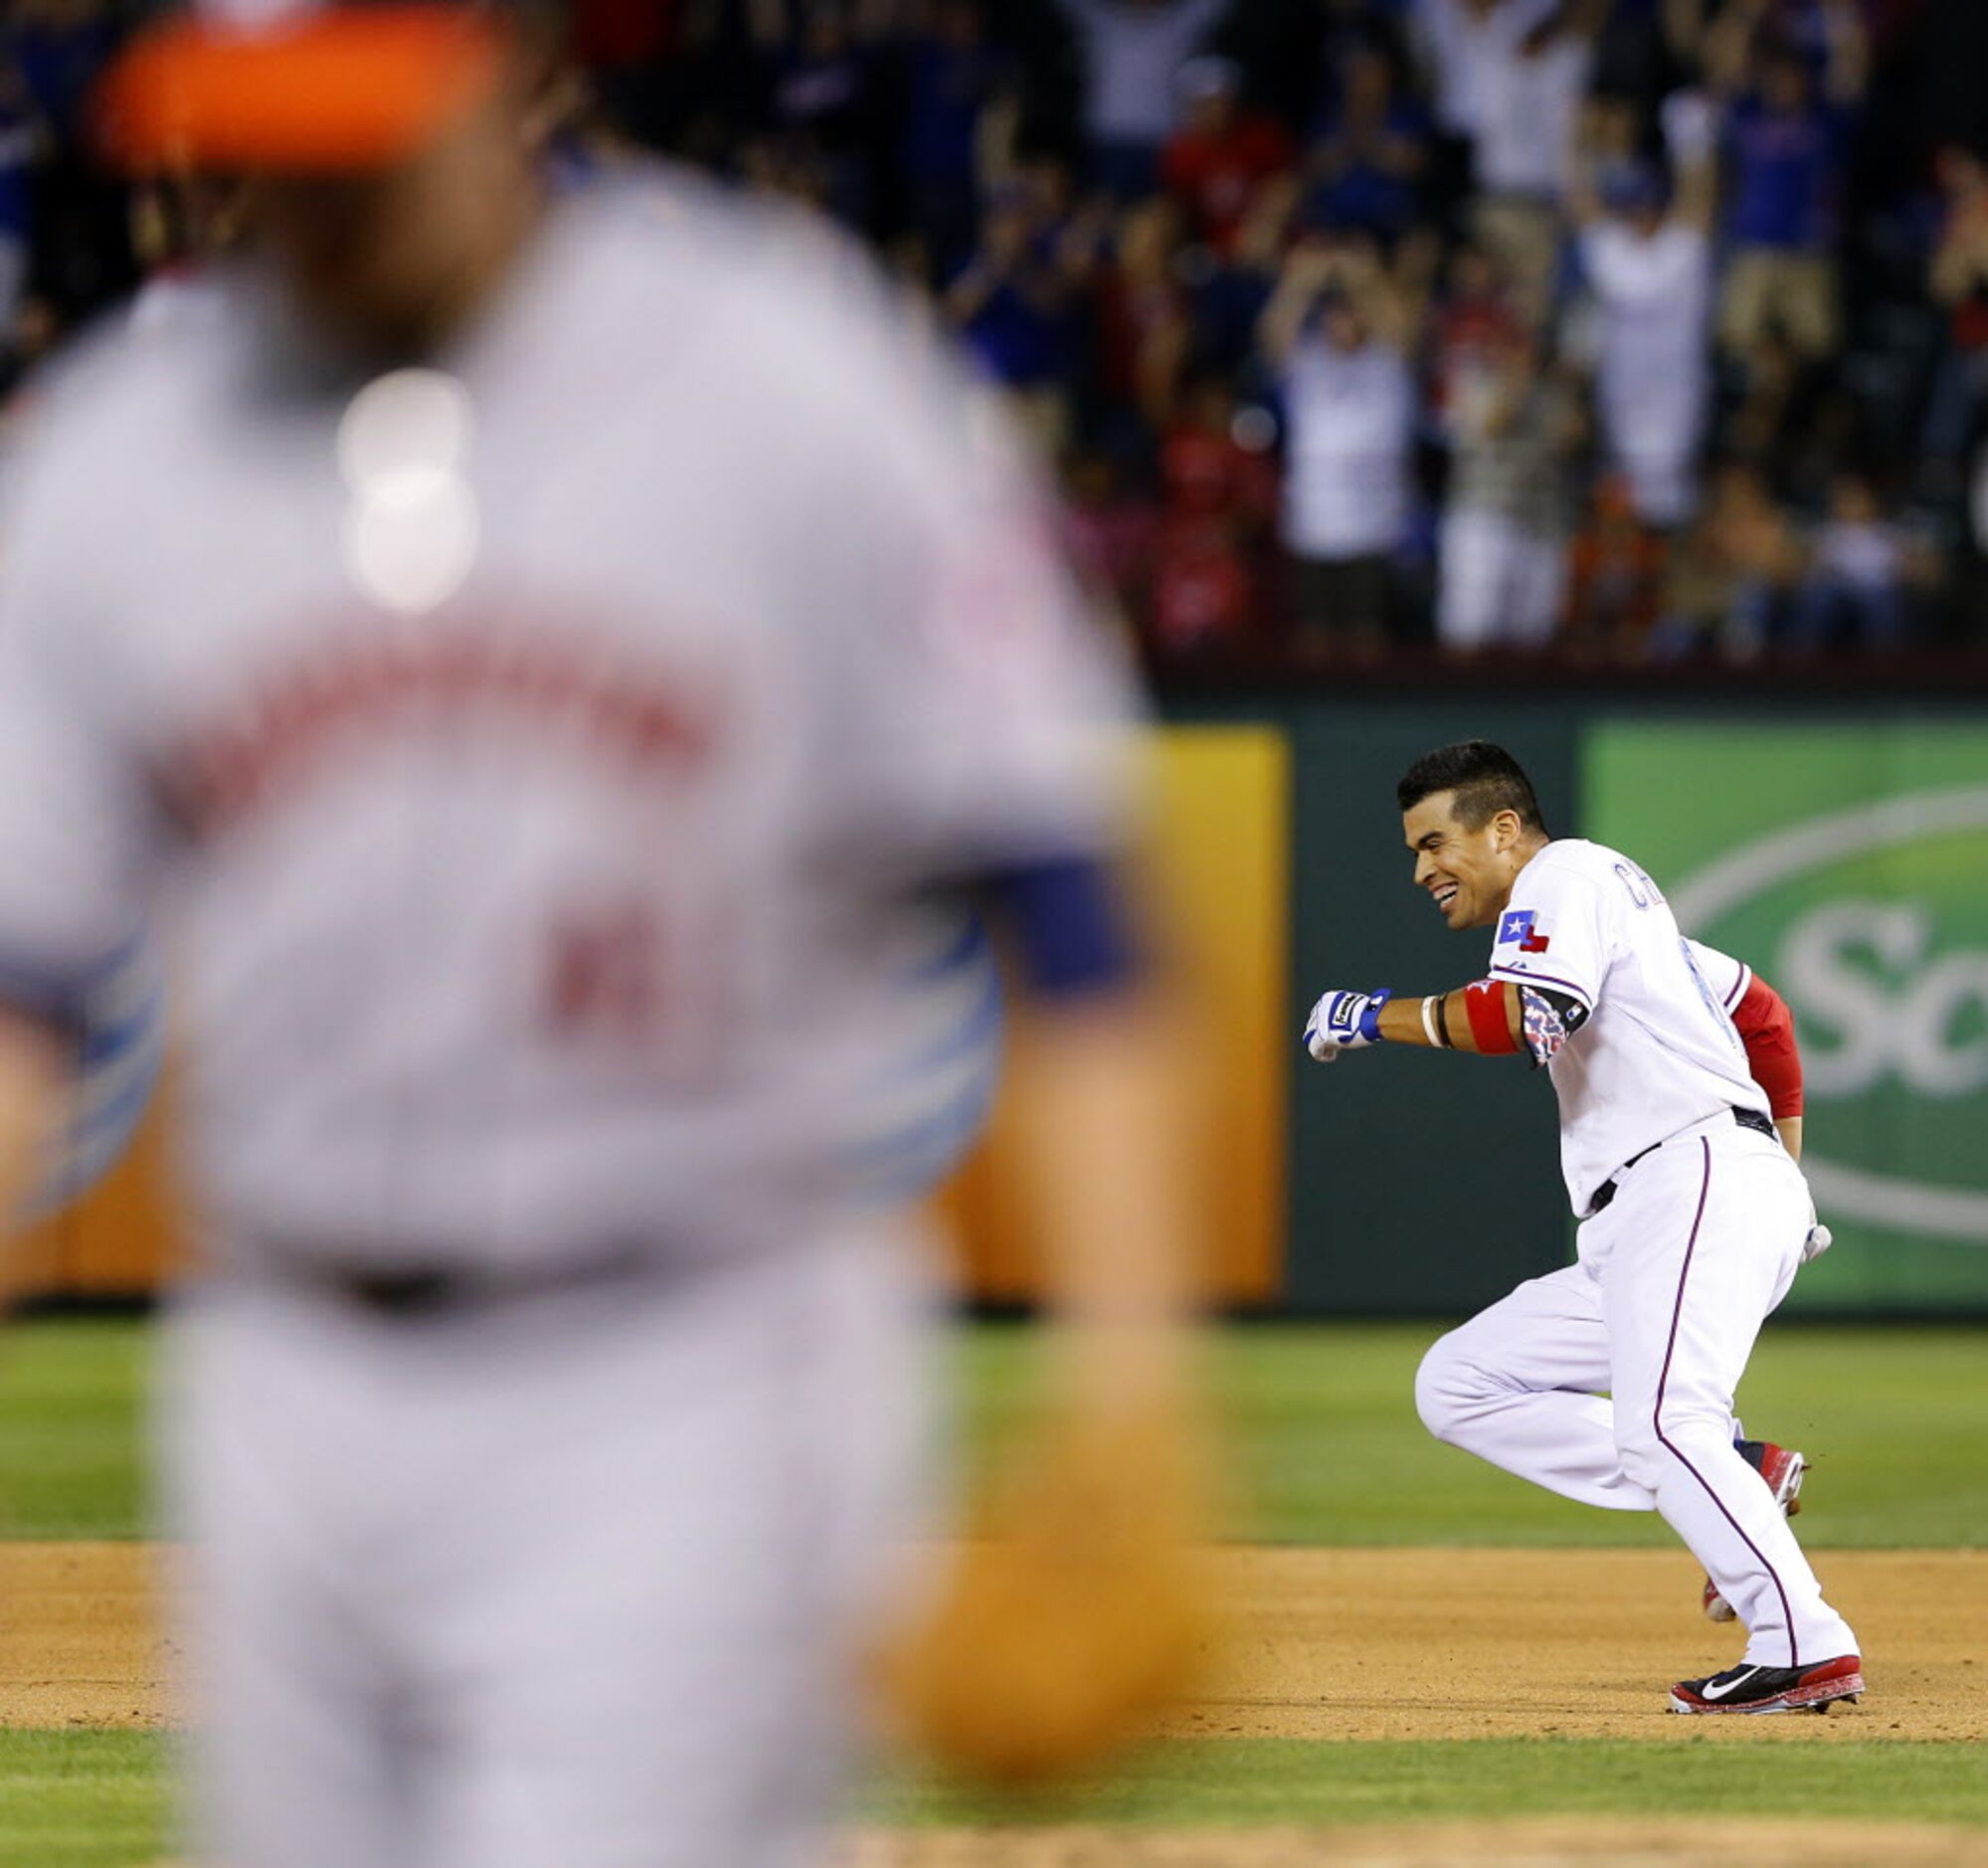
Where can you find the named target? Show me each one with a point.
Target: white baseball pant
(569, 1582)
(1672, 1283)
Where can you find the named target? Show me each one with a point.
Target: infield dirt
(1323, 1644)
(1526, 1842)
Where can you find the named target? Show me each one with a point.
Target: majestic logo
(1869, 922)
(1517, 926)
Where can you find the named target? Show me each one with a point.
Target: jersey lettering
(1641, 892)
(329, 705)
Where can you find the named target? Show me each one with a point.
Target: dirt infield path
(1529, 1842)
(1326, 1644)
(1445, 1644)
(78, 1642)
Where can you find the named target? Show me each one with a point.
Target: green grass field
(1328, 1448)
(1330, 1451)
(1323, 1428)
(100, 1800)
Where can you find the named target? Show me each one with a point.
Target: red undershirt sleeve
(1767, 1028)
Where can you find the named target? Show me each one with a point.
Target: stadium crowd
(1626, 331)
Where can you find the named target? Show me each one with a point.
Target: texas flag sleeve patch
(1519, 929)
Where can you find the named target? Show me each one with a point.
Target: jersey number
(1720, 1016)
(605, 974)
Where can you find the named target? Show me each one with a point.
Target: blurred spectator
(1611, 143)
(22, 140)
(26, 342)
(949, 77)
(1473, 324)
(1221, 153)
(1365, 167)
(1218, 505)
(1011, 304)
(79, 257)
(1337, 338)
(1515, 427)
(1203, 596)
(1227, 303)
(1107, 529)
(1530, 98)
(787, 168)
(1731, 574)
(1857, 577)
(1646, 251)
(1144, 327)
(1616, 571)
(1974, 569)
(1763, 421)
(1132, 53)
(1213, 463)
(625, 48)
(1459, 40)
(953, 132)
(1787, 148)
(825, 95)
(1382, 24)
(1644, 49)
(60, 46)
(1959, 283)
(1338, 28)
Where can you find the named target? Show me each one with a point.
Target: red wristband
(1490, 1023)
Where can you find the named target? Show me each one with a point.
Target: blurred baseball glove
(1072, 1619)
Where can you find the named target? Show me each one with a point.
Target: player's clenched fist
(1345, 1021)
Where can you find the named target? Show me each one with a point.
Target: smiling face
(1468, 873)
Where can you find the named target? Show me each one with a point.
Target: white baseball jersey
(546, 752)
(1657, 1050)
(1612, 1381)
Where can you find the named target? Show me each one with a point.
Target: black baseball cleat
(1750, 1689)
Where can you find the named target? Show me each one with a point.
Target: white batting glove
(1818, 1240)
(1345, 1021)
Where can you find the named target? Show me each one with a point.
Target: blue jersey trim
(1072, 935)
(978, 1031)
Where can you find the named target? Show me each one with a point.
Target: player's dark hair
(1485, 779)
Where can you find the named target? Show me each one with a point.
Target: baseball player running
(552, 665)
(1694, 1215)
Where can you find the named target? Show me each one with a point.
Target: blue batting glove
(1345, 1021)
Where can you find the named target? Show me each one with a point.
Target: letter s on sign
(1903, 1029)
(1928, 1011)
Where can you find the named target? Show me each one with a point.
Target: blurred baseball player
(560, 665)
(1695, 1216)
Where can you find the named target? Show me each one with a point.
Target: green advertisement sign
(1847, 864)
